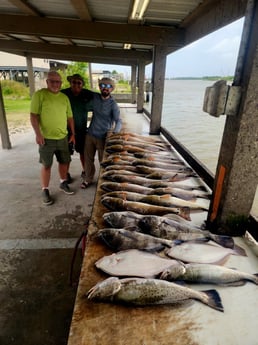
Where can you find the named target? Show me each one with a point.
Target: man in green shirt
(50, 114)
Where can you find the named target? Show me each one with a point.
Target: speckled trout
(143, 292)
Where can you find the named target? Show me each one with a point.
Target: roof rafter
(91, 31)
(25, 7)
(74, 52)
(82, 9)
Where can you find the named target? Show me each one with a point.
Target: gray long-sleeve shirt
(106, 116)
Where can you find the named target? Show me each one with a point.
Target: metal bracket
(221, 99)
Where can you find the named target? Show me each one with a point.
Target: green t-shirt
(53, 109)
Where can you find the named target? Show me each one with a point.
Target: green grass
(17, 105)
(17, 112)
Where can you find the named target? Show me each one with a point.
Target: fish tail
(255, 280)
(239, 250)
(213, 300)
(224, 241)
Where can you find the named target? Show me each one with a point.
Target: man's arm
(70, 123)
(117, 118)
(34, 120)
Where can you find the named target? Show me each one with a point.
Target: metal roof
(96, 30)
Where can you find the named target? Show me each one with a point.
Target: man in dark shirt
(80, 102)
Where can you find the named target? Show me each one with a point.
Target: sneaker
(65, 188)
(46, 198)
(69, 178)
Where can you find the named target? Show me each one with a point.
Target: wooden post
(6, 143)
(140, 84)
(30, 75)
(235, 189)
(133, 83)
(158, 73)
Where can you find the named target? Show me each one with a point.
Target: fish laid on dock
(207, 273)
(143, 292)
(203, 253)
(164, 200)
(122, 219)
(252, 243)
(151, 183)
(125, 186)
(117, 204)
(135, 263)
(123, 239)
(166, 227)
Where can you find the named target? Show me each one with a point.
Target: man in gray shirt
(106, 118)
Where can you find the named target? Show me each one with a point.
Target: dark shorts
(79, 143)
(59, 148)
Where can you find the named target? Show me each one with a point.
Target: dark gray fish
(122, 239)
(164, 227)
(122, 219)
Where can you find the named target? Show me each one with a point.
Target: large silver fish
(202, 253)
(142, 292)
(207, 273)
(117, 204)
(170, 229)
(135, 263)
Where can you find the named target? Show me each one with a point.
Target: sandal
(85, 185)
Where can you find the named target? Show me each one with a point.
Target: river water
(183, 117)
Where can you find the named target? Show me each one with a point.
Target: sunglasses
(77, 82)
(106, 86)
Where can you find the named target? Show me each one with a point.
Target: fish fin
(214, 300)
(238, 283)
(133, 228)
(171, 179)
(224, 241)
(185, 213)
(239, 250)
(165, 196)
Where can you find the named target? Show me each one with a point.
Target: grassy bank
(17, 112)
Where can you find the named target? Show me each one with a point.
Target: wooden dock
(192, 324)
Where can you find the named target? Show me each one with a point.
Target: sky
(215, 54)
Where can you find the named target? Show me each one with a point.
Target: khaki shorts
(52, 147)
